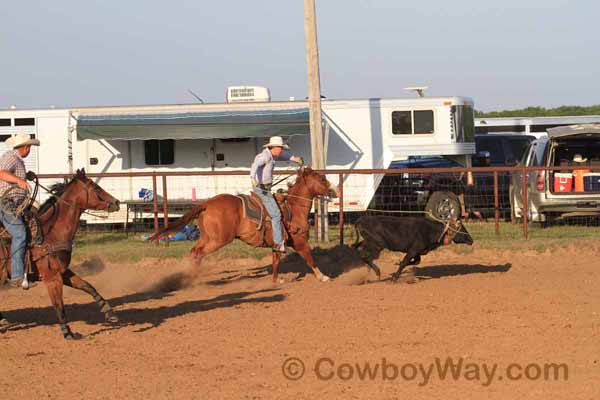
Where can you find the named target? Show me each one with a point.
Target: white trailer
(359, 134)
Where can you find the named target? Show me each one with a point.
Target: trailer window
(5, 122)
(412, 122)
(159, 152)
(24, 121)
(423, 121)
(463, 120)
(401, 123)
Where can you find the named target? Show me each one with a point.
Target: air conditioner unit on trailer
(244, 94)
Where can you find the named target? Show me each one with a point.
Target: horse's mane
(56, 190)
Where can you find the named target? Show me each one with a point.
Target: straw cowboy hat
(579, 159)
(276, 141)
(21, 139)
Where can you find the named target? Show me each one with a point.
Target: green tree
(542, 112)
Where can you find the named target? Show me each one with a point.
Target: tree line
(542, 112)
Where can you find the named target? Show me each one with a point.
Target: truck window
(517, 147)
(494, 147)
(537, 158)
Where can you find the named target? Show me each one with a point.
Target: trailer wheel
(443, 205)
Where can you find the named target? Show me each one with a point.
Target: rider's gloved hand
(254, 182)
(30, 176)
(300, 160)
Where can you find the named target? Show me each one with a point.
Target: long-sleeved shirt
(262, 167)
(11, 161)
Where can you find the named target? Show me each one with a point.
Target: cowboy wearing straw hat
(13, 192)
(261, 174)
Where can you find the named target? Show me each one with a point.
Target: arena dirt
(223, 330)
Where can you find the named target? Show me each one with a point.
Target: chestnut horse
(221, 219)
(50, 260)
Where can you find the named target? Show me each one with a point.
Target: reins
(58, 198)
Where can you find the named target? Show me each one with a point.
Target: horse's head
(91, 196)
(316, 183)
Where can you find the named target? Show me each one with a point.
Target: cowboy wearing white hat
(13, 191)
(261, 174)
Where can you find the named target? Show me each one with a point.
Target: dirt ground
(225, 332)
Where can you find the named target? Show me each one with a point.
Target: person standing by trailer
(261, 175)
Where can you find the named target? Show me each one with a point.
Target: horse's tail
(180, 223)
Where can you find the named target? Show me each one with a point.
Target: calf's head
(459, 233)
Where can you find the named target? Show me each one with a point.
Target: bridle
(88, 186)
(308, 200)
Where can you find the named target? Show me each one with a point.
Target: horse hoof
(72, 336)
(395, 278)
(111, 318)
(4, 325)
(300, 276)
(325, 278)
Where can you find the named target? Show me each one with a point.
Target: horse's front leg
(54, 284)
(304, 250)
(73, 280)
(276, 262)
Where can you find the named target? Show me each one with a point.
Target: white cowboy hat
(579, 159)
(276, 141)
(21, 139)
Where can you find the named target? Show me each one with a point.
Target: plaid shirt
(11, 161)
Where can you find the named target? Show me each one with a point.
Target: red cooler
(563, 182)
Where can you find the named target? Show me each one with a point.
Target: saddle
(255, 211)
(35, 236)
(35, 233)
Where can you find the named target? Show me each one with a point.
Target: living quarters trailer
(359, 134)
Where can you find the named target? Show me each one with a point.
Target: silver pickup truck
(560, 194)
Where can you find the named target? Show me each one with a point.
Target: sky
(505, 55)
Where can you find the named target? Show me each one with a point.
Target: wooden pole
(314, 88)
(525, 204)
(314, 84)
(341, 209)
(496, 204)
(165, 206)
(155, 206)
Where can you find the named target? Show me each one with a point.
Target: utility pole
(314, 101)
(314, 85)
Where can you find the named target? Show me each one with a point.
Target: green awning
(194, 125)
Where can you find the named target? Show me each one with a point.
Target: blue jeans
(16, 228)
(271, 205)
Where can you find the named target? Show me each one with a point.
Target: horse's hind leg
(73, 280)
(206, 245)
(4, 324)
(54, 284)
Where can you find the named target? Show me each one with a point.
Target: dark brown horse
(221, 220)
(50, 261)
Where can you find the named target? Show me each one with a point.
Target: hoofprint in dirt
(227, 332)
